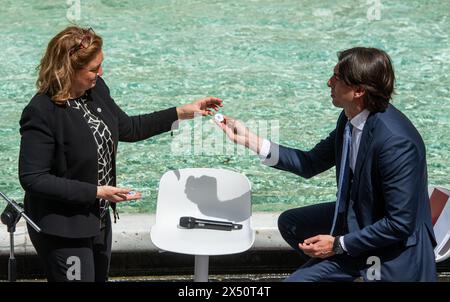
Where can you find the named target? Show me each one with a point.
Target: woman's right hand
(114, 194)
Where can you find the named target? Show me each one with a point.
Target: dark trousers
(298, 224)
(75, 259)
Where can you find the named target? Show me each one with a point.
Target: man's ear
(358, 91)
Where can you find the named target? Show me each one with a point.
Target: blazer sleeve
(399, 165)
(37, 151)
(140, 127)
(305, 163)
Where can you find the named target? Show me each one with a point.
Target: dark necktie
(344, 175)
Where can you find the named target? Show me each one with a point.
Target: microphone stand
(10, 216)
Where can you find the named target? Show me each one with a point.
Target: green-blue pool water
(268, 60)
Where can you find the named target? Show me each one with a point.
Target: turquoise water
(268, 60)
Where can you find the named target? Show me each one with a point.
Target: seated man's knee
(284, 220)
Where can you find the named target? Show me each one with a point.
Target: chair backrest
(440, 213)
(212, 194)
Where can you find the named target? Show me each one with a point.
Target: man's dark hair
(371, 69)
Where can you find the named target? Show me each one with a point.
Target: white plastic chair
(212, 194)
(440, 212)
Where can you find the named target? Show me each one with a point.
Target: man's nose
(329, 83)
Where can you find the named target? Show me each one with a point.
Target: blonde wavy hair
(67, 52)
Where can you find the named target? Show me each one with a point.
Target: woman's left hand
(202, 107)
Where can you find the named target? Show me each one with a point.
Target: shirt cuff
(265, 149)
(341, 241)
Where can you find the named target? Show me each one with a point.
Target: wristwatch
(337, 247)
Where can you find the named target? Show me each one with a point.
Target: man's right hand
(239, 134)
(114, 194)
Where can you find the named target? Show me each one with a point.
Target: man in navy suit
(380, 226)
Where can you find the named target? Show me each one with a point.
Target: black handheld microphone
(196, 223)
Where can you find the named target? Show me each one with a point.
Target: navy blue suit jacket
(388, 213)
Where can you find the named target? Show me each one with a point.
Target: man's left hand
(320, 246)
(202, 107)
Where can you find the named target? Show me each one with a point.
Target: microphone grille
(187, 222)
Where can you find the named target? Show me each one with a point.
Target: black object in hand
(196, 223)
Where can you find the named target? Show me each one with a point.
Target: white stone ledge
(131, 233)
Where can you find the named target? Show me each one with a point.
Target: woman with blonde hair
(70, 132)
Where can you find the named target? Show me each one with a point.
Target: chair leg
(201, 268)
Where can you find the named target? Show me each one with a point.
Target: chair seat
(212, 194)
(202, 242)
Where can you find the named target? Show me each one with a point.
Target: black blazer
(58, 158)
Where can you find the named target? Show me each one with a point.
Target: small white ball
(219, 118)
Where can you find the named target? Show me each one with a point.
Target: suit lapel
(339, 141)
(366, 140)
(97, 107)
